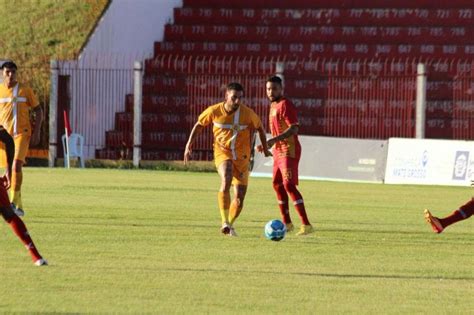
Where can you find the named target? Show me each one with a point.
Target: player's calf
(19, 228)
(7, 213)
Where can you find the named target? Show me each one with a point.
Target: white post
(53, 113)
(66, 154)
(280, 68)
(137, 113)
(420, 101)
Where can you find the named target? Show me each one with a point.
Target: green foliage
(137, 241)
(36, 31)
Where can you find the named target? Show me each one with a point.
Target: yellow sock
(223, 199)
(235, 210)
(17, 179)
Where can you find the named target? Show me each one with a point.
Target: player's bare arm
(292, 130)
(35, 135)
(197, 129)
(263, 148)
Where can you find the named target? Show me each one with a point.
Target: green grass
(148, 241)
(35, 31)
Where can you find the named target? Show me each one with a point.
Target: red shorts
(285, 170)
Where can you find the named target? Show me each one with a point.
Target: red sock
(282, 197)
(463, 213)
(20, 230)
(298, 202)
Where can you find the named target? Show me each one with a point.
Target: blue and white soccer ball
(275, 230)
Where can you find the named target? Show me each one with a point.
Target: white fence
(92, 97)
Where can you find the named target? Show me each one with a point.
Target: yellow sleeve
(256, 122)
(206, 117)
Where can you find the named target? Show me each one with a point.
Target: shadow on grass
(145, 222)
(323, 275)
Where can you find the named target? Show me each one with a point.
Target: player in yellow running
(233, 127)
(16, 101)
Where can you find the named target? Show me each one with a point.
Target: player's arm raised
(292, 130)
(197, 129)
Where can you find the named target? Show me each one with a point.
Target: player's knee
(225, 185)
(7, 213)
(290, 187)
(277, 186)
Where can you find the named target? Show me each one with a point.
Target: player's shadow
(325, 275)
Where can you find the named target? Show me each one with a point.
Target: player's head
(234, 93)
(9, 72)
(274, 88)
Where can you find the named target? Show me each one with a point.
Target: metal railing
(341, 98)
(93, 97)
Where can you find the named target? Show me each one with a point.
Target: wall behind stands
(127, 31)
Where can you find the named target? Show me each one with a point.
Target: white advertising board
(430, 162)
(337, 159)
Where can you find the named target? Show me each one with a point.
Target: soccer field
(148, 241)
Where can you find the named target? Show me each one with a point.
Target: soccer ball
(275, 230)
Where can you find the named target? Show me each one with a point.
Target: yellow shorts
(22, 143)
(240, 171)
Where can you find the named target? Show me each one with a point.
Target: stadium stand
(347, 64)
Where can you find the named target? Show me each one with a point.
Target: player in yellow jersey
(233, 127)
(16, 101)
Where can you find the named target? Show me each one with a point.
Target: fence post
(280, 68)
(420, 101)
(137, 112)
(53, 113)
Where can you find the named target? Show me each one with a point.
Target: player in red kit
(6, 209)
(286, 154)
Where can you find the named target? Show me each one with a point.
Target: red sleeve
(289, 113)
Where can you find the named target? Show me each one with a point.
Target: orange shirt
(283, 114)
(15, 105)
(232, 132)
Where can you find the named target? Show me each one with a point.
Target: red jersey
(283, 114)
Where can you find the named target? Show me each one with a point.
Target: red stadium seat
(292, 16)
(323, 50)
(326, 34)
(294, 4)
(337, 56)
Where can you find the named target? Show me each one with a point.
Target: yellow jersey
(232, 132)
(15, 106)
